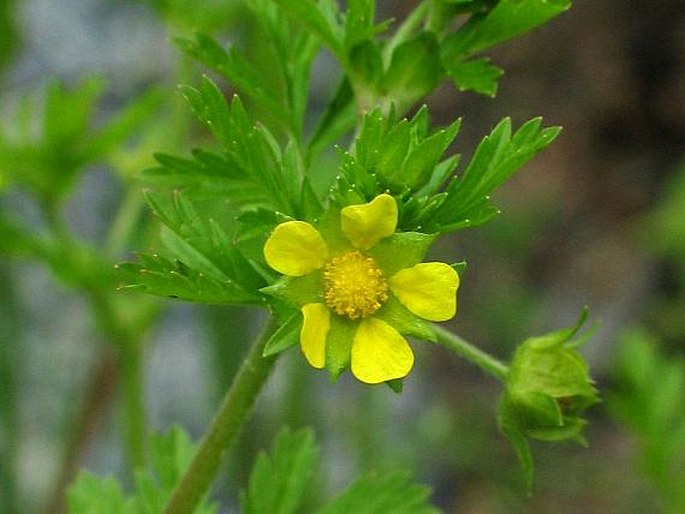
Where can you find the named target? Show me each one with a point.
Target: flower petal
(315, 327)
(366, 224)
(428, 289)
(379, 352)
(295, 248)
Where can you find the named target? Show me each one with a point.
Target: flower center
(355, 286)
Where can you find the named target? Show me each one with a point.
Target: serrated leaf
(424, 157)
(170, 454)
(391, 494)
(248, 170)
(238, 71)
(279, 479)
(90, 494)
(507, 19)
(201, 241)
(477, 75)
(497, 157)
(157, 275)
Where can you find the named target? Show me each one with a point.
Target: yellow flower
(360, 286)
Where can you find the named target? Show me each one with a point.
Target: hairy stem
(483, 360)
(232, 412)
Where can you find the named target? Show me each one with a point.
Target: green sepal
(405, 322)
(401, 250)
(396, 384)
(297, 291)
(460, 267)
(525, 457)
(287, 335)
(339, 344)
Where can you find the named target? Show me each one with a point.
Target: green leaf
(390, 494)
(477, 75)
(280, 479)
(249, 168)
(507, 19)
(414, 70)
(339, 117)
(90, 494)
(320, 18)
(366, 64)
(157, 275)
(239, 72)
(201, 241)
(497, 157)
(396, 156)
(170, 456)
(53, 137)
(359, 22)
(421, 161)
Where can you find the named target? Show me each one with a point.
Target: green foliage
(665, 227)
(278, 484)
(477, 75)
(279, 481)
(217, 206)
(648, 401)
(46, 160)
(466, 200)
(382, 495)
(500, 22)
(170, 456)
(547, 389)
(249, 169)
(207, 266)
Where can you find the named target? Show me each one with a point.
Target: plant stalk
(234, 409)
(482, 359)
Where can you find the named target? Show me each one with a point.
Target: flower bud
(548, 387)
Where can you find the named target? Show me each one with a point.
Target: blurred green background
(597, 219)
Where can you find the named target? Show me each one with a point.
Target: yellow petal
(366, 224)
(379, 352)
(317, 323)
(429, 290)
(295, 248)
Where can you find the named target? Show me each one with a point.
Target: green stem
(128, 345)
(483, 360)
(232, 412)
(130, 362)
(125, 221)
(10, 428)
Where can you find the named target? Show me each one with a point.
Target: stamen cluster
(354, 285)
